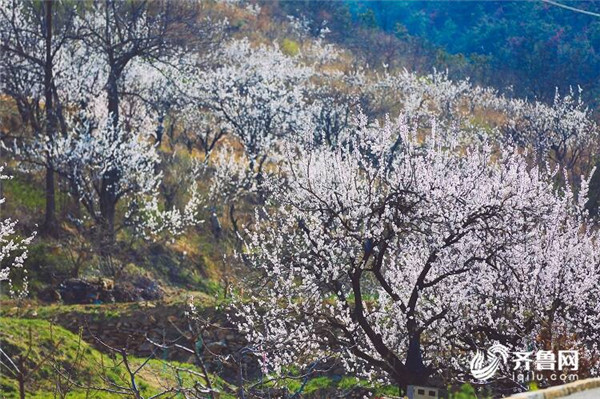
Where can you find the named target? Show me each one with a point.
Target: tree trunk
(21, 387)
(108, 203)
(232, 218)
(112, 92)
(21, 377)
(108, 196)
(418, 373)
(50, 225)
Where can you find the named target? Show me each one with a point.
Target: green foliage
(533, 46)
(47, 264)
(533, 386)
(290, 47)
(173, 268)
(466, 391)
(367, 19)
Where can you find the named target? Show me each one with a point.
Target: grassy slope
(52, 348)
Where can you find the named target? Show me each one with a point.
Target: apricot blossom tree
(13, 253)
(394, 252)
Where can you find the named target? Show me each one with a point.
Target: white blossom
(393, 237)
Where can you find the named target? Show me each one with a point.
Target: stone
(216, 347)
(81, 291)
(49, 295)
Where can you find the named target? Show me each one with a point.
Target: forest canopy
(533, 46)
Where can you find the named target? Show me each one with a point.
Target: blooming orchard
(392, 251)
(392, 244)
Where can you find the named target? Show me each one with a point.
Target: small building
(418, 392)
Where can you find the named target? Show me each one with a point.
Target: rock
(149, 289)
(49, 295)
(104, 290)
(138, 289)
(82, 291)
(106, 284)
(221, 334)
(78, 291)
(216, 347)
(146, 347)
(125, 292)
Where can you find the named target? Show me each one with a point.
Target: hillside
(532, 47)
(295, 199)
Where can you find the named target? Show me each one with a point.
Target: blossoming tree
(395, 258)
(33, 38)
(257, 95)
(13, 252)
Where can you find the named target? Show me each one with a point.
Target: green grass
(48, 349)
(323, 385)
(25, 193)
(205, 303)
(54, 311)
(467, 391)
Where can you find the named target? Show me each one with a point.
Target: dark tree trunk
(110, 180)
(108, 203)
(232, 218)
(417, 372)
(112, 91)
(21, 377)
(21, 387)
(50, 225)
